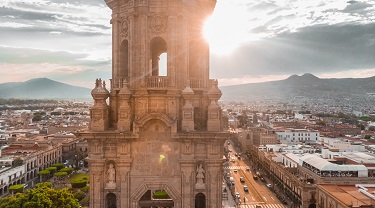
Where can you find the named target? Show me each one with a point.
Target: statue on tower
(200, 177)
(111, 177)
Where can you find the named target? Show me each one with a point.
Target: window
(158, 59)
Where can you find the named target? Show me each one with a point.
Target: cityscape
(153, 129)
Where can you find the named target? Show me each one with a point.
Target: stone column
(187, 183)
(214, 110)
(96, 183)
(123, 179)
(124, 112)
(188, 109)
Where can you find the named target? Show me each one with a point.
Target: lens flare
(161, 157)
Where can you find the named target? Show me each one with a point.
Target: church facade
(155, 135)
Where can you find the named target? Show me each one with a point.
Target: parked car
(245, 188)
(242, 179)
(238, 196)
(248, 168)
(235, 170)
(269, 185)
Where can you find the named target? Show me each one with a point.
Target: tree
(41, 197)
(43, 174)
(321, 123)
(367, 136)
(361, 126)
(37, 117)
(17, 161)
(16, 188)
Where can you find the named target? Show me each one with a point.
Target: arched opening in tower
(200, 200)
(111, 200)
(158, 59)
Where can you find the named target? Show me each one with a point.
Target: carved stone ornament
(158, 24)
(124, 27)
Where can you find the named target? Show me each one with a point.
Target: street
(258, 194)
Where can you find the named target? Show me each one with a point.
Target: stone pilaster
(188, 109)
(124, 112)
(96, 183)
(214, 110)
(123, 172)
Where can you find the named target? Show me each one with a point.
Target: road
(259, 194)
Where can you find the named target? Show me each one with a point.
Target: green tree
(41, 197)
(321, 123)
(18, 188)
(17, 161)
(37, 117)
(43, 174)
(367, 136)
(361, 126)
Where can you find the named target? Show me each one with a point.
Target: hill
(306, 85)
(42, 88)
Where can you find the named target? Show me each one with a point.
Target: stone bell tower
(155, 138)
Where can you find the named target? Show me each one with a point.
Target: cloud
(19, 64)
(315, 49)
(63, 16)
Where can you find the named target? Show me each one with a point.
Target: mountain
(42, 88)
(307, 85)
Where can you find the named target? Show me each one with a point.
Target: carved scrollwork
(124, 27)
(158, 23)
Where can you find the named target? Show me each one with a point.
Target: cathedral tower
(156, 131)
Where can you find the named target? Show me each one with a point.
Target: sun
(227, 29)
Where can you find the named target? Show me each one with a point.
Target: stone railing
(117, 83)
(157, 82)
(197, 83)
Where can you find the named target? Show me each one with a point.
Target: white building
(343, 145)
(298, 135)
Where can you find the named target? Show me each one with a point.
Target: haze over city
(251, 41)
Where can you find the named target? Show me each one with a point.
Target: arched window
(158, 60)
(200, 200)
(111, 200)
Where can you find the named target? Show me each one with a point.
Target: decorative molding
(124, 27)
(158, 23)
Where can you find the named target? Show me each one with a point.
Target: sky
(251, 40)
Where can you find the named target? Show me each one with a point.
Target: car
(238, 196)
(232, 183)
(242, 179)
(235, 170)
(228, 175)
(255, 177)
(245, 188)
(262, 179)
(248, 168)
(25, 185)
(269, 185)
